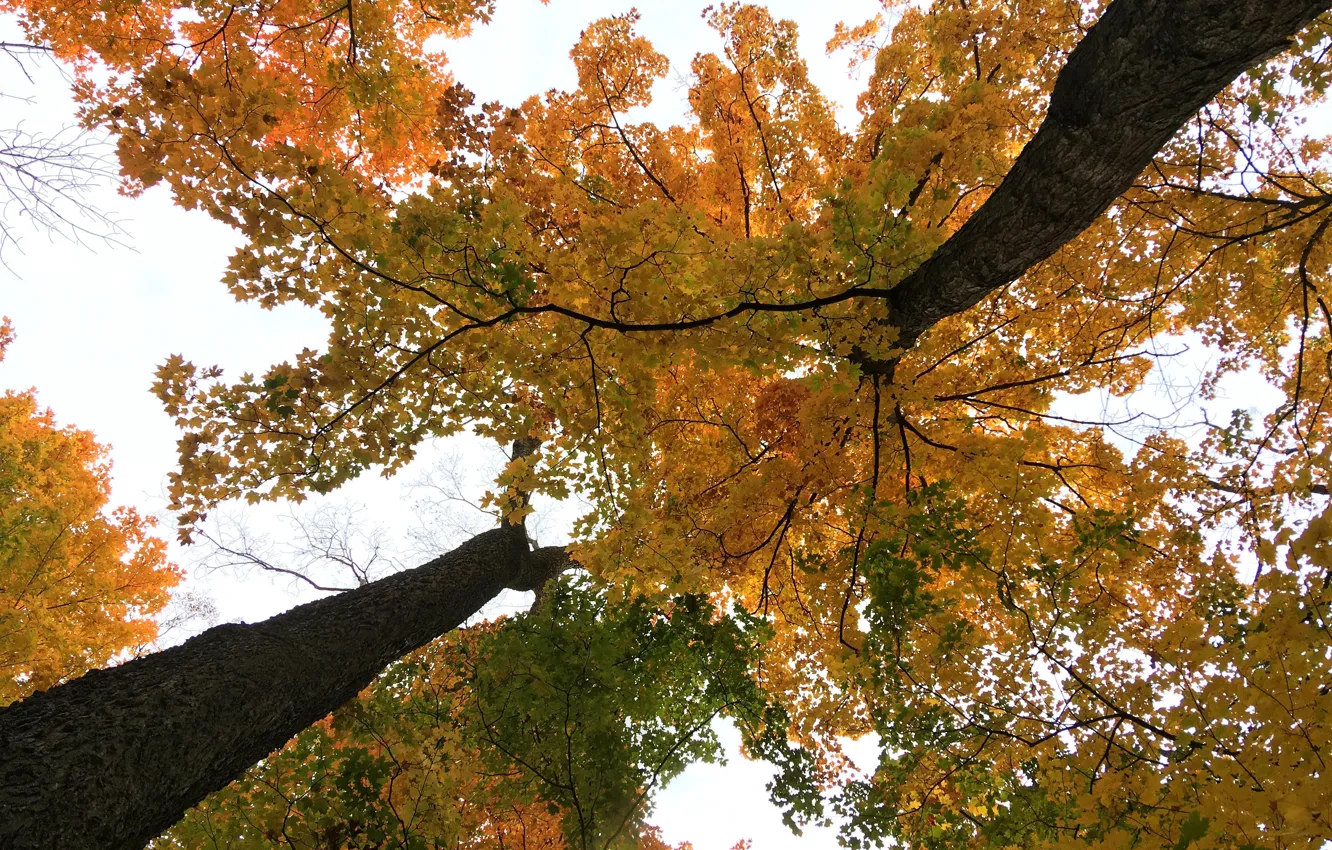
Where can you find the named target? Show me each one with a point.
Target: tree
(79, 584)
(549, 730)
(807, 372)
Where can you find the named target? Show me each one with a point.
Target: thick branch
(1140, 73)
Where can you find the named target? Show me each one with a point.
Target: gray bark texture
(113, 758)
(1141, 72)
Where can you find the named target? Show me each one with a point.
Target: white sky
(94, 322)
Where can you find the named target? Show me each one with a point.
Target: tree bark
(1139, 74)
(112, 759)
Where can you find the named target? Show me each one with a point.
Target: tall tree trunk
(112, 759)
(1141, 72)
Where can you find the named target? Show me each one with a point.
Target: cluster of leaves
(79, 584)
(548, 730)
(355, 77)
(1098, 703)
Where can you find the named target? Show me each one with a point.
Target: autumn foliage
(549, 731)
(79, 583)
(1065, 631)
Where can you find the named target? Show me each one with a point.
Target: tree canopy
(808, 374)
(79, 583)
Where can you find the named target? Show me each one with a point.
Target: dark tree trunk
(112, 759)
(1140, 73)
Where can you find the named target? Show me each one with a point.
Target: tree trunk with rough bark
(112, 759)
(1143, 70)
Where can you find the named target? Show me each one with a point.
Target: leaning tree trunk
(113, 758)
(1143, 70)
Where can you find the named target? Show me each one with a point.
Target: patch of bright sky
(1170, 397)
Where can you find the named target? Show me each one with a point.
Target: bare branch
(46, 178)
